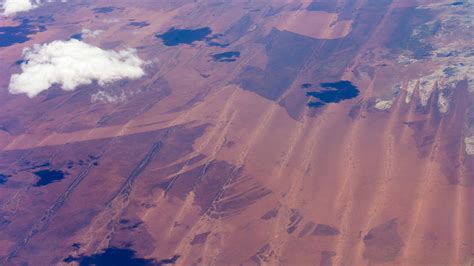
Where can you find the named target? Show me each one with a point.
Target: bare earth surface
(240, 160)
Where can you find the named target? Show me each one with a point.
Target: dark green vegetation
(321, 5)
(217, 40)
(105, 9)
(139, 24)
(10, 35)
(48, 176)
(286, 53)
(4, 178)
(306, 85)
(414, 27)
(77, 36)
(226, 56)
(118, 257)
(333, 92)
(174, 37)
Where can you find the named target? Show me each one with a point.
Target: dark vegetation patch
(333, 92)
(306, 229)
(261, 254)
(10, 35)
(47, 177)
(139, 24)
(449, 71)
(174, 37)
(118, 257)
(335, 55)
(77, 36)
(12, 125)
(4, 178)
(356, 109)
(239, 28)
(286, 52)
(270, 214)
(272, 11)
(325, 230)
(45, 19)
(295, 219)
(76, 246)
(218, 44)
(27, 165)
(326, 258)
(323, 5)
(123, 221)
(90, 159)
(105, 9)
(217, 40)
(127, 225)
(315, 104)
(226, 56)
(200, 238)
(458, 3)
(346, 11)
(412, 31)
(447, 54)
(172, 260)
(383, 243)
(4, 222)
(306, 85)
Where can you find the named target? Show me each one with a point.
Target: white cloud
(11, 7)
(72, 63)
(105, 97)
(86, 33)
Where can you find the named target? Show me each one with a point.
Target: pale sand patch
(314, 24)
(383, 104)
(410, 88)
(469, 142)
(443, 103)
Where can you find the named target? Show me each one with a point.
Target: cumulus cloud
(105, 97)
(72, 63)
(87, 33)
(11, 7)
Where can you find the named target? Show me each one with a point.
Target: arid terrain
(259, 132)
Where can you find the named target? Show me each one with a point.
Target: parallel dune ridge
(261, 133)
